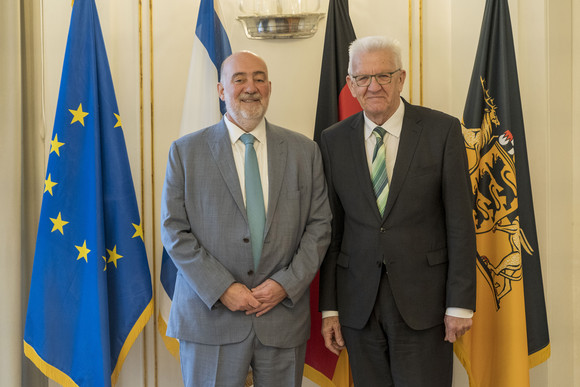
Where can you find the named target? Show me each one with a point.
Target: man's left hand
(455, 327)
(270, 293)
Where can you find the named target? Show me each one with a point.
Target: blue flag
(90, 294)
(201, 108)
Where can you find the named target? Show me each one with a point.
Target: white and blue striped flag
(201, 108)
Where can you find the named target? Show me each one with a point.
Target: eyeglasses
(365, 80)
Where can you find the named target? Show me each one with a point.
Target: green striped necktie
(379, 170)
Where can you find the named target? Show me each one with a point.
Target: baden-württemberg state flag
(510, 330)
(201, 108)
(90, 294)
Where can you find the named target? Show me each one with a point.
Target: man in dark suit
(245, 218)
(397, 284)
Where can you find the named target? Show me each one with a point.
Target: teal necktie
(254, 198)
(379, 170)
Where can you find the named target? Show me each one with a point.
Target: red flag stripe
(347, 104)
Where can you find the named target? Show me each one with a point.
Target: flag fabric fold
(335, 103)
(201, 108)
(510, 330)
(90, 293)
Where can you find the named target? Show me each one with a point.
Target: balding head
(245, 88)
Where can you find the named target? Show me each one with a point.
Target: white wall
(150, 95)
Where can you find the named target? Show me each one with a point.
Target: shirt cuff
(454, 312)
(459, 312)
(329, 313)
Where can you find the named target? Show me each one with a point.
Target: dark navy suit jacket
(426, 237)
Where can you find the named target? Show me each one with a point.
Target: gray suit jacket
(205, 231)
(426, 237)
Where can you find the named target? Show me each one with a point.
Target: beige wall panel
(576, 179)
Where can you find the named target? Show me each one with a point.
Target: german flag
(510, 329)
(335, 103)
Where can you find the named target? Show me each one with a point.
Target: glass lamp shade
(274, 19)
(278, 7)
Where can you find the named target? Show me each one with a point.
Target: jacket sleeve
(458, 201)
(296, 278)
(327, 284)
(203, 272)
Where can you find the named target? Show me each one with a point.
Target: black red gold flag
(335, 103)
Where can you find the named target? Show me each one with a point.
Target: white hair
(372, 44)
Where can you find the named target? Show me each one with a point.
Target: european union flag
(90, 295)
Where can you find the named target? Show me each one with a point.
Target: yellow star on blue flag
(90, 210)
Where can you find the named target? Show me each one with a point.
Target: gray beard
(247, 119)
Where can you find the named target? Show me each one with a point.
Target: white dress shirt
(393, 126)
(239, 151)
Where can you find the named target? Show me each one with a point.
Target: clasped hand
(258, 301)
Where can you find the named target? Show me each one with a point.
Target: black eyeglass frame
(364, 80)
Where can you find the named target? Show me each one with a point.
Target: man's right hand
(239, 298)
(332, 335)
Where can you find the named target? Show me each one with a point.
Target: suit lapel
(361, 165)
(221, 150)
(277, 156)
(410, 134)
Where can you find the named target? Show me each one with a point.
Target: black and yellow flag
(510, 329)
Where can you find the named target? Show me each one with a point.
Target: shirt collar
(235, 132)
(393, 125)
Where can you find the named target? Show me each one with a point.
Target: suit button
(246, 240)
(251, 272)
(383, 230)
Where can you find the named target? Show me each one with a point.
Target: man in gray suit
(242, 291)
(398, 282)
